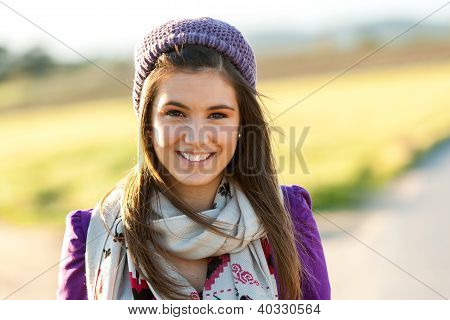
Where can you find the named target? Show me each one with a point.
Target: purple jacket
(315, 284)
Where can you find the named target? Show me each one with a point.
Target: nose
(198, 134)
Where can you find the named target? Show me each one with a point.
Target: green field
(365, 127)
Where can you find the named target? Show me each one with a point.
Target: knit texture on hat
(206, 31)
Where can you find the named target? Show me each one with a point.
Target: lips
(195, 157)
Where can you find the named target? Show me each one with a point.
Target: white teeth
(195, 157)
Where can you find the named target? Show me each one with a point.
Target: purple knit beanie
(205, 31)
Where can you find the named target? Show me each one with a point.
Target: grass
(364, 129)
(56, 160)
(65, 86)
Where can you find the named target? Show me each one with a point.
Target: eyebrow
(179, 104)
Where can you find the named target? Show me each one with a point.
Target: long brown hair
(252, 167)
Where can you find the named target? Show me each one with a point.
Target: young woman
(202, 215)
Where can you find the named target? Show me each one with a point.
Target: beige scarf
(243, 272)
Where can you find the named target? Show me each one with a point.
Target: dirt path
(395, 248)
(35, 251)
(398, 247)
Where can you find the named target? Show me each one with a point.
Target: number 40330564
(289, 308)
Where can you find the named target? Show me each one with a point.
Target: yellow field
(364, 127)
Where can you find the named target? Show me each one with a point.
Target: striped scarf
(237, 269)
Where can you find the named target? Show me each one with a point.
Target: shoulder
(71, 276)
(316, 283)
(77, 223)
(297, 197)
(298, 202)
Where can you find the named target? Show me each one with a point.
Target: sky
(112, 27)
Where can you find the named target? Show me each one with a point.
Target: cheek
(164, 139)
(164, 135)
(228, 143)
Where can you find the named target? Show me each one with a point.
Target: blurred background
(359, 93)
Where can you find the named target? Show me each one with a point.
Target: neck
(200, 198)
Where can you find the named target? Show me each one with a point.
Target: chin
(195, 180)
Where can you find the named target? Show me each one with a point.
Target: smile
(201, 157)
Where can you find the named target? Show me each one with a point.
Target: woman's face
(195, 124)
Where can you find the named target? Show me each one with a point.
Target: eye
(218, 115)
(174, 113)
